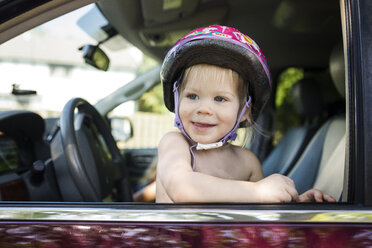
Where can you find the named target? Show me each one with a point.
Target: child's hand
(315, 195)
(276, 188)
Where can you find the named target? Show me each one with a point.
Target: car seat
(308, 104)
(325, 154)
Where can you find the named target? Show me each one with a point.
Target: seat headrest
(337, 68)
(306, 98)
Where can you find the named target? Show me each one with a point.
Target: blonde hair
(220, 75)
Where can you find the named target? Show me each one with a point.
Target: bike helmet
(222, 46)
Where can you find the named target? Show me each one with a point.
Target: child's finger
(329, 198)
(291, 188)
(318, 196)
(293, 193)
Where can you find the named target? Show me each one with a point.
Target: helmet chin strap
(201, 146)
(229, 136)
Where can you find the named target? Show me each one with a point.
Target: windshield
(43, 68)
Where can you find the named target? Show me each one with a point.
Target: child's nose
(204, 107)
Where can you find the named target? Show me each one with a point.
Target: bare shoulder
(173, 150)
(250, 163)
(170, 139)
(173, 160)
(173, 136)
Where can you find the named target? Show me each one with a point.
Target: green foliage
(286, 81)
(152, 101)
(286, 115)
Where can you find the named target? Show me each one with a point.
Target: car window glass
(43, 68)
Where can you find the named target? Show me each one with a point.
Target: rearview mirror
(95, 56)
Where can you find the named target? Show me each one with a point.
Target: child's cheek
(184, 110)
(226, 115)
(233, 115)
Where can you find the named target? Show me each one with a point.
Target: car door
(341, 224)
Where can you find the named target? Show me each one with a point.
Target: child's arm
(146, 194)
(182, 184)
(315, 195)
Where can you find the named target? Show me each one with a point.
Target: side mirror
(95, 56)
(121, 128)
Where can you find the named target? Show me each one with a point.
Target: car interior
(307, 102)
(74, 158)
(321, 152)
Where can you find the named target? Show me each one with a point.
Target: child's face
(209, 106)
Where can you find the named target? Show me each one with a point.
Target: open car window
(45, 67)
(82, 113)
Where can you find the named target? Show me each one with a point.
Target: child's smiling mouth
(202, 126)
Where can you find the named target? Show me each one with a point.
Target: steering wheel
(88, 164)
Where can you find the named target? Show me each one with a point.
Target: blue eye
(192, 96)
(219, 99)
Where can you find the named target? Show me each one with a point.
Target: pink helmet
(222, 46)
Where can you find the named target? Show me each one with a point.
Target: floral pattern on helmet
(222, 32)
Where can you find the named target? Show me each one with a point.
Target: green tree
(151, 101)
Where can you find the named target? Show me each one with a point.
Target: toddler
(216, 80)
